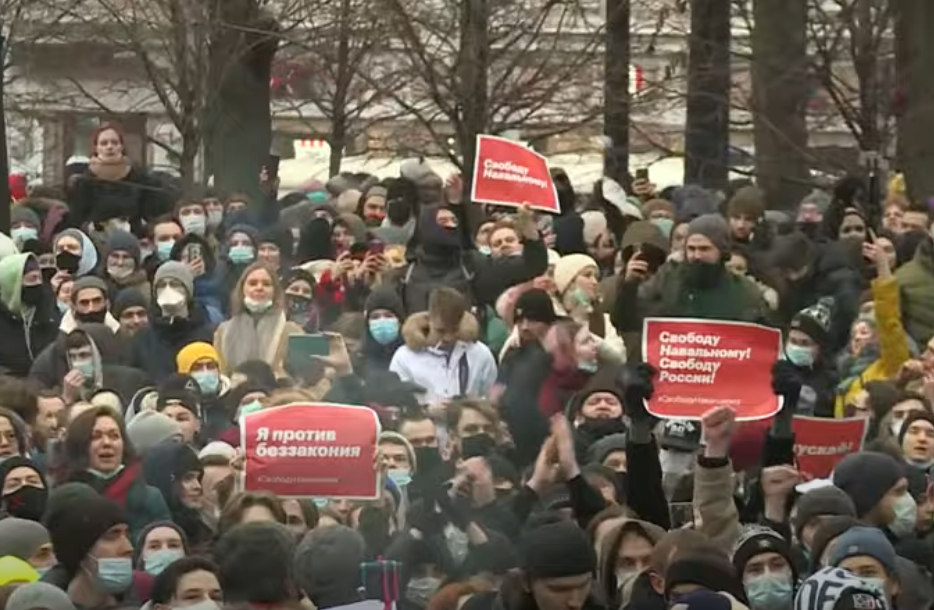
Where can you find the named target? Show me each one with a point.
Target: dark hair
(19, 429)
(256, 564)
(258, 372)
(240, 503)
(77, 443)
(20, 397)
(166, 583)
(161, 220)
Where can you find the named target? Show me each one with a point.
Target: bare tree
(483, 66)
(915, 22)
(323, 63)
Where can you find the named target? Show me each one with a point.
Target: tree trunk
(472, 90)
(914, 24)
(616, 91)
(707, 133)
(780, 93)
(345, 76)
(241, 60)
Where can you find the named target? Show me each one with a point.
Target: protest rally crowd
(519, 461)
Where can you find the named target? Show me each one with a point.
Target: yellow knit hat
(192, 353)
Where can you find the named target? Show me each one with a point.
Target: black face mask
(478, 445)
(31, 295)
(48, 273)
(810, 229)
(595, 429)
(699, 274)
(27, 502)
(92, 317)
(427, 458)
(68, 262)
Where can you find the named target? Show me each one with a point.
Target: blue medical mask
(115, 574)
(384, 330)
(665, 225)
(906, 516)
(215, 217)
(208, 381)
(770, 592)
(587, 367)
(400, 477)
(799, 355)
(23, 234)
(160, 560)
(250, 407)
(164, 249)
(254, 306)
(62, 306)
(241, 255)
(85, 367)
(484, 250)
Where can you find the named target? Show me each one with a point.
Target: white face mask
(896, 426)
(675, 462)
(171, 301)
(206, 604)
(906, 516)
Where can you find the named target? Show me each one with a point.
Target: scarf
(850, 367)
(252, 337)
(109, 171)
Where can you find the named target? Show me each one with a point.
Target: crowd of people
(500, 349)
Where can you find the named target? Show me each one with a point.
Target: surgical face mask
(23, 234)
(587, 367)
(799, 355)
(208, 381)
(254, 306)
(194, 224)
(85, 367)
(484, 250)
(119, 225)
(665, 225)
(242, 255)
(624, 577)
(906, 516)
(384, 330)
(121, 270)
(770, 591)
(207, 604)
(115, 574)
(420, 590)
(62, 306)
(157, 562)
(215, 217)
(895, 425)
(676, 462)
(250, 407)
(400, 477)
(164, 249)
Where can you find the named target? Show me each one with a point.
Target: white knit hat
(569, 267)
(218, 448)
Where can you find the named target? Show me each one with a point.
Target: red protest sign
(821, 442)
(508, 173)
(704, 364)
(311, 450)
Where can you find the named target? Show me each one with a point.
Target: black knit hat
(76, 517)
(912, 417)
(821, 502)
(866, 477)
(708, 568)
(815, 321)
(755, 540)
(555, 550)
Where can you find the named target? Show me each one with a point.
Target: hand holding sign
(718, 425)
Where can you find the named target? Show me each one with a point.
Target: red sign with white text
(821, 442)
(508, 173)
(704, 364)
(314, 450)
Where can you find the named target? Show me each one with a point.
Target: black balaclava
(435, 239)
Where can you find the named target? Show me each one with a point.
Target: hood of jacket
(418, 335)
(11, 282)
(207, 251)
(609, 549)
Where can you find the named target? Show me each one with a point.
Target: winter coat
(137, 196)
(916, 288)
(469, 370)
(893, 342)
(25, 331)
(376, 355)
(155, 348)
(209, 287)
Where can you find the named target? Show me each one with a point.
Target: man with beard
(533, 316)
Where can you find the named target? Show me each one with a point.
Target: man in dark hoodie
(180, 320)
(384, 315)
(803, 376)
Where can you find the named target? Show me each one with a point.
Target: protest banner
(821, 442)
(510, 174)
(704, 364)
(311, 450)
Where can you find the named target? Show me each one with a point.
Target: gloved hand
(636, 383)
(786, 379)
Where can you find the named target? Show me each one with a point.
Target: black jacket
(154, 349)
(137, 196)
(22, 344)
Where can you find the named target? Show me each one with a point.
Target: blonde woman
(258, 329)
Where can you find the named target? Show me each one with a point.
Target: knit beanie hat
(127, 298)
(24, 214)
(21, 537)
(569, 267)
(605, 446)
(556, 550)
(710, 570)
(706, 600)
(175, 270)
(150, 428)
(866, 477)
(815, 321)
(911, 418)
(76, 517)
(868, 542)
(192, 353)
(748, 201)
(822, 502)
(218, 448)
(397, 439)
(714, 228)
(838, 589)
(829, 530)
(85, 282)
(122, 241)
(139, 545)
(327, 561)
(39, 595)
(755, 540)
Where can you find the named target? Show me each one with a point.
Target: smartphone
(304, 346)
(642, 174)
(358, 251)
(193, 253)
(272, 167)
(377, 247)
